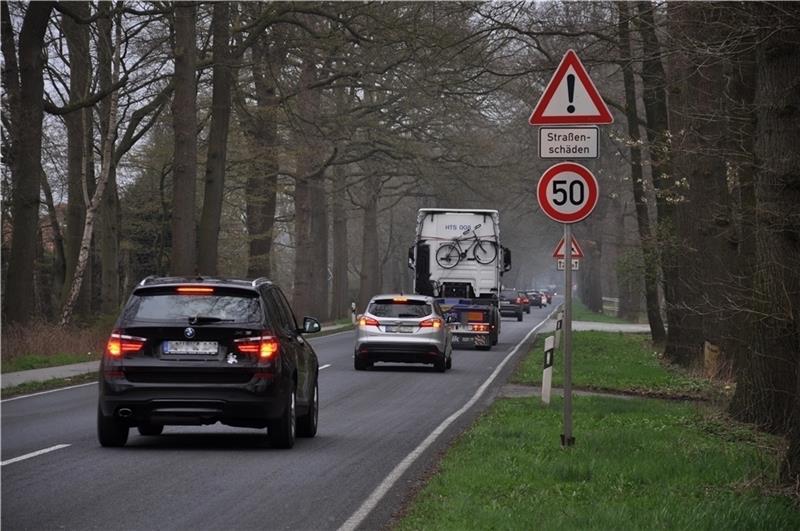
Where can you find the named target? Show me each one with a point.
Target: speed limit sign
(567, 192)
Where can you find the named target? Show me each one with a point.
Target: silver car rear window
(393, 308)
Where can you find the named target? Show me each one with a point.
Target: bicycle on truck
(452, 253)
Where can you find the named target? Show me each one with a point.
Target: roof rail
(145, 279)
(261, 280)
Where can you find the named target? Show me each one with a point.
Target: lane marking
(34, 454)
(47, 392)
(377, 495)
(325, 366)
(326, 336)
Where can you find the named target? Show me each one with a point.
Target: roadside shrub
(40, 338)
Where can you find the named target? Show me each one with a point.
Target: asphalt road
(216, 477)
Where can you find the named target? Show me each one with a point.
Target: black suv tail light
(264, 347)
(120, 344)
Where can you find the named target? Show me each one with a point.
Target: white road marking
(47, 392)
(325, 366)
(377, 495)
(34, 454)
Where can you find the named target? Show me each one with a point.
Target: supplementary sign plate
(568, 142)
(561, 264)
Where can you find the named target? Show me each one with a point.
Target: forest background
(297, 140)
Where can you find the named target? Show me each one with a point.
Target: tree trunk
(648, 243)
(320, 280)
(370, 252)
(57, 285)
(26, 154)
(183, 257)
(94, 203)
(261, 127)
(774, 364)
(109, 211)
(208, 235)
(77, 37)
(341, 299)
(340, 307)
(307, 166)
(742, 131)
(654, 95)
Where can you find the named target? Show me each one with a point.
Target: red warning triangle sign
(577, 252)
(570, 97)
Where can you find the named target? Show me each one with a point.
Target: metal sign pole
(566, 438)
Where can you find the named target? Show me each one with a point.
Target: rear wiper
(200, 319)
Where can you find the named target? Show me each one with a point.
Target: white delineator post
(547, 371)
(559, 326)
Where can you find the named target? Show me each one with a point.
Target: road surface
(217, 477)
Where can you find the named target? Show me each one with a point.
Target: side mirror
(311, 325)
(506, 259)
(411, 257)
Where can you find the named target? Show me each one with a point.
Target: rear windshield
(509, 294)
(228, 308)
(392, 308)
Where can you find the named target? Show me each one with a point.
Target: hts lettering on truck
(458, 227)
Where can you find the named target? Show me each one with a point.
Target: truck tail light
(120, 344)
(480, 327)
(431, 323)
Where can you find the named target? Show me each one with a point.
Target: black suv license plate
(191, 347)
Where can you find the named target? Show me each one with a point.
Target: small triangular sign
(577, 252)
(570, 97)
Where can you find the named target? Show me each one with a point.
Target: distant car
(400, 328)
(537, 299)
(201, 350)
(524, 301)
(509, 304)
(548, 294)
(473, 325)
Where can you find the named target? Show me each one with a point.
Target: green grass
(612, 361)
(39, 361)
(637, 464)
(581, 313)
(54, 383)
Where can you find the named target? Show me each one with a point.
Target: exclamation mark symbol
(570, 92)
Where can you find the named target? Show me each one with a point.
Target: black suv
(196, 351)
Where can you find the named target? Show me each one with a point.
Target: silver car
(402, 329)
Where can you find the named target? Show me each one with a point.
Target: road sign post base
(567, 442)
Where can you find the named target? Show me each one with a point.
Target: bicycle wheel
(485, 251)
(448, 256)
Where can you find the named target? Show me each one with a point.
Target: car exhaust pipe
(124, 412)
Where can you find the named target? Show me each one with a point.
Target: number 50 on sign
(567, 192)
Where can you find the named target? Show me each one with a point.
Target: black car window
(399, 308)
(287, 310)
(161, 306)
(279, 317)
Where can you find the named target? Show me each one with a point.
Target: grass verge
(40, 361)
(581, 313)
(612, 361)
(637, 464)
(54, 383)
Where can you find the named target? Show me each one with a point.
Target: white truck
(457, 257)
